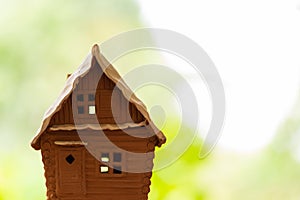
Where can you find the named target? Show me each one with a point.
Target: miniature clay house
(86, 105)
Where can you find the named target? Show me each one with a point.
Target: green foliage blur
(42, 41)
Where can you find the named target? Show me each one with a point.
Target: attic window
(91, 97)
(92, 110)
(85, 101)
(80, 97)
(80, 109)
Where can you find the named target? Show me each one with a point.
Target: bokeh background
(254, 44)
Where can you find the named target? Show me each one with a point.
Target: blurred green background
(42, 41)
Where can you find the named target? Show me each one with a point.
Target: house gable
(96, 99)
(86, 77)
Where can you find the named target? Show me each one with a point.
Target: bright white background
(255, 45)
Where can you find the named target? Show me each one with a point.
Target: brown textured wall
(129, 186)
(48, 157)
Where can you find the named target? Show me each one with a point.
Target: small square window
(80, 109)
(117, 157)
(92, 110)
(80, 97)
(91, 97)
(104, 169)
(105, 157)
(117, 170)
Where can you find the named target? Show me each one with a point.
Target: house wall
(111, 106)
(131, 186)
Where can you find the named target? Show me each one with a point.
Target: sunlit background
(254, 44)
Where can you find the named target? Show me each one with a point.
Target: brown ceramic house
(88, 167)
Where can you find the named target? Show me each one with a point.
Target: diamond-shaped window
(70, 159)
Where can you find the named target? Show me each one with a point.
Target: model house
(97, 140)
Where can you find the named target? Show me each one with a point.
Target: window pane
(117, 157)
(117, 170)
(70, 159)
(92, 110)
(105, 157)
(91, 97)
(80, 109)
(80, 97)
(103, 169)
